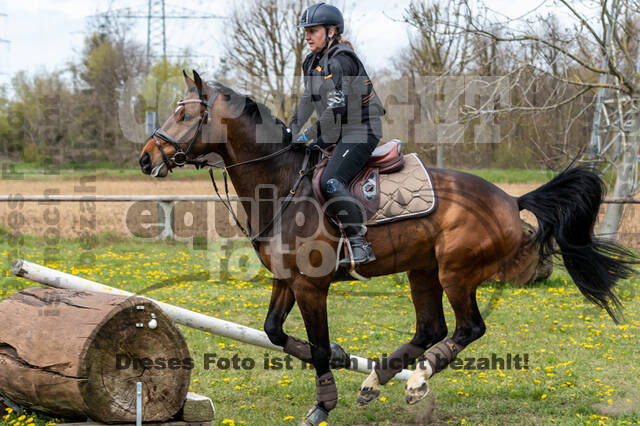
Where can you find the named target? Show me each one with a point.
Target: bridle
(180, 158)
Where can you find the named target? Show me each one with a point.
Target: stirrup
(315, 416)
(351, 262)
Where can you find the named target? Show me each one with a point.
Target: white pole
(57, 279)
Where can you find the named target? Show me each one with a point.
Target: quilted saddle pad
(407, 193)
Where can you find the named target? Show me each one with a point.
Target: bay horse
(474, 232)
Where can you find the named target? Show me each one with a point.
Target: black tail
(566, 208)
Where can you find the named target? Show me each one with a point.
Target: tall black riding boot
(347, 209)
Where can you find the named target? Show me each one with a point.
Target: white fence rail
(170, 198)
(112, 198)
(166, 203)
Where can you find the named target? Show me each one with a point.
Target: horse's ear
(188, 80)
(198, 81)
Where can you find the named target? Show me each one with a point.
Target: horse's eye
(188, 117)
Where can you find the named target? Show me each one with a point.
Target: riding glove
(309, 138)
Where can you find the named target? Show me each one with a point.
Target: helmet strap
(327, 39)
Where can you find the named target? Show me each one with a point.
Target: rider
(337, 87)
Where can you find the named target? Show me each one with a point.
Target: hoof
(416, 395)
(317, 416)
(367, 395)
(339, 357)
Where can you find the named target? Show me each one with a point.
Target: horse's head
(186, 133)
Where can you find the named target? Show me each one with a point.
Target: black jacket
(337, 87)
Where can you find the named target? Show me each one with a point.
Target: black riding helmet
(322, 14)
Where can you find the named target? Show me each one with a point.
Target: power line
(156, 15)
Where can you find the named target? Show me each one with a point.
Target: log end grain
(77, 353)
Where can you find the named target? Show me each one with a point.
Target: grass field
(33, 171)
(582, 368)
(513, 175)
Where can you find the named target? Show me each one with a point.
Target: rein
(304, 171)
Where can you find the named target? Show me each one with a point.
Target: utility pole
(156, 15)
(4, 47)
(156, 29)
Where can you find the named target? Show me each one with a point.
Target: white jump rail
(57, 279)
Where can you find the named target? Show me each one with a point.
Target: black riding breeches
(349, 156)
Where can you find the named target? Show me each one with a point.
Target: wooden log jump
(54, 278)
(79, 354)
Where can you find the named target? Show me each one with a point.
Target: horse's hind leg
(469, 327)
(426, 294)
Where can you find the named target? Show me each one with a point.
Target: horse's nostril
(145, 163)
(145, 159)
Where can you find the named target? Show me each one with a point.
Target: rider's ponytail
(338, 37)
(344, 41)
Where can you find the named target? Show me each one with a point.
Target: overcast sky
(47, 34)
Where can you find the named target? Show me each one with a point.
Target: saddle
(365, 186)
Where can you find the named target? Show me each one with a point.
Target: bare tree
(599, 54)
(439, 47)
(108, 60)
(266, 48)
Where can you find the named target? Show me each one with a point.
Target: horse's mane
(253, 110)
(258, 113)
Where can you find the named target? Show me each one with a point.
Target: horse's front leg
(282, 301)
(312, 301)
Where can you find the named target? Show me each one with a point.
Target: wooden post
(165, 219)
